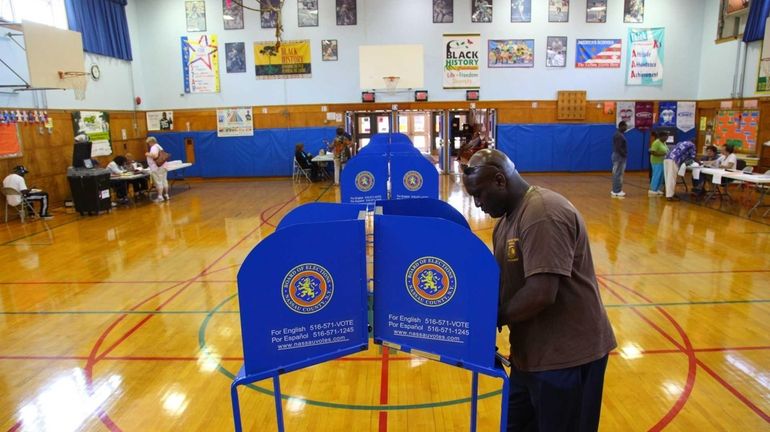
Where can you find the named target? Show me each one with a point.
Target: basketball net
(77, 82)
(391, 83)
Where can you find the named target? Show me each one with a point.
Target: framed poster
(521, 11)
(307, 13)
(329, 50)
(347, 12)
(644, 63)
(511, 53)
(96, 126)
(481, 11)
(558, 10)
(596, 11)
(633, 11)
(556, 51)
(160, 120)
(234, 122)
(232, 17)
(443, 11)
(598, 53)
(235, 57)
(200, 63)
(268, 15)
(195, 15)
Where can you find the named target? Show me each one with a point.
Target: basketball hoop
(391, 82)
(76, 81)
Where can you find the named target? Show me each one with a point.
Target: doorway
(369, 123)
(417, 126)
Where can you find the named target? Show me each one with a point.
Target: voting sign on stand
(300, 305)
(436, 294)
(364, 180)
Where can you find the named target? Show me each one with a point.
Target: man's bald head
(491, 179)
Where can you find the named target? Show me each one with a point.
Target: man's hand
(538, 293)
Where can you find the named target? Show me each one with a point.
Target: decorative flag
(200, 62)
(667, 114)
(598, 53)
(626, 112)
(643, 116)
(461, 61)
(685, 116)
(644, 64)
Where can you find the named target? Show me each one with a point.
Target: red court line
(691, 366)
(682, 273)
(384, 390)
(740, 396)
(15, 427)
(221, 270)
(89, 282)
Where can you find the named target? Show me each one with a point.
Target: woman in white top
(728, 160)
(158, 173)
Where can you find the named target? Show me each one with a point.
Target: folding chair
(298, 172)
(23, 206)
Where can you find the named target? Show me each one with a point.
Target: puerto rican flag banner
(598, 53)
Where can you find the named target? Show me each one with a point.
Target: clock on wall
(96, 73)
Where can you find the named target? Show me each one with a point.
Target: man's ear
(500, 180)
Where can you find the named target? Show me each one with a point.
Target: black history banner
(461, 61)
(290, 60)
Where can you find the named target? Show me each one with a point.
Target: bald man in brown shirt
(559, 331)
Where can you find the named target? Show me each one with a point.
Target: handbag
(163, 156)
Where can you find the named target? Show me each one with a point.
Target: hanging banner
(291, 60)
(685, 116)
(461, 61)
(643, 116)
(160, 120)
(96, 126)
(200, 63)
(626, 112)
(598, 53)
(234, 122)
(667, 114)
(644, 64)
(763, 68)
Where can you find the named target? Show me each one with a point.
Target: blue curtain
(103, 25)
(755, 25)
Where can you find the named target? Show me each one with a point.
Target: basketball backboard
(51, 50)
(379, 61)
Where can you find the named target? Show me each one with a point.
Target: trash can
(90, 189)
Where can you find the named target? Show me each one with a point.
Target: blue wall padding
(568, 147)
(268, 153)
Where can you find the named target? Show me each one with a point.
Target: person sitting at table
(305, 160)
(117, 168)
(15, 181)
(707, 160)
(728, 160)
(140, 184)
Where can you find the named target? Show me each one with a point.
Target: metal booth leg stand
(242, 380)
(499, 373)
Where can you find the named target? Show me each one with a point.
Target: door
(417, 126)
(368, 124)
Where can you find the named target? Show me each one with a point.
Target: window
(732, 18)
(48, 12)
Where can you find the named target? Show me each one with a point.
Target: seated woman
(116, 168)
(708, 160)
(140, 185)
(305, 160)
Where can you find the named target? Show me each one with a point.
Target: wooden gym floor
(128, 321)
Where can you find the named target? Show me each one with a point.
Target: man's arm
(538, 293)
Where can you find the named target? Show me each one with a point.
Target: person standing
(619, 158)
(15, 181)
(682, 153)
(560, 334)
(157, 169)
(341, 148)
(658, 152)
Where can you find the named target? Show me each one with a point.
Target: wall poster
(160, 120)
(511, 53)
(556, 51)
(291, 60)
(232, 16)
(10, 141)
(598, 53)
(347, 12)
(521, 11)
(633, 11)
(195, 15)
(558, 10)
(307, 13)
(461, 61)
(481, 11)
(96, 126)
(596, 11)
(626, 111)
(235, 57)
(233, 122)
(739, 128)
(443, 11)
(200, 64)
(644, 65)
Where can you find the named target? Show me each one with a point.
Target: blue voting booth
(389, 167)
(435, 293)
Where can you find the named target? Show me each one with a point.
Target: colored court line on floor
(383, 416)
(358, 407)
(204, 312)
(686, 273)
(739, 395)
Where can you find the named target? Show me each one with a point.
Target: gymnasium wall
(409, 21)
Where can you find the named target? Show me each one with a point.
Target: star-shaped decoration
(202, 51)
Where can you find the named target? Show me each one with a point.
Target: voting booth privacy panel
(389, 167)
(435, 293)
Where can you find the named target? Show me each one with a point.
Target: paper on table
(696, 173)
(717, 178)
(682, 170)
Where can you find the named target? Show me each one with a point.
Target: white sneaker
(659, 193)
(168, 198)
(158, 200)
(621, 194)
(618, 195)
(652, 193)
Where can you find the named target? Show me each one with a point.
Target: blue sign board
(425, 207)
(436, 291)
(321, 212)
(412, 176)
(364, 180)
(301, 305)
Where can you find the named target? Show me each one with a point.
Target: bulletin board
(735, 126)
(571, 105)
(10, 143)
